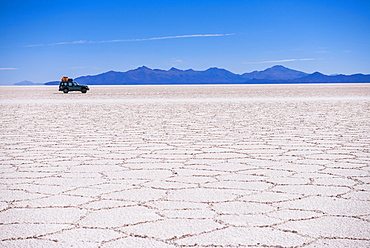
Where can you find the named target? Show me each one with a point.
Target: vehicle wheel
(83, 90)
(65, 90)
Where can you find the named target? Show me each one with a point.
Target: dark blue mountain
(318, 77)
(145, 75)
(276, 74)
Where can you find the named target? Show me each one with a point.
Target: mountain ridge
(277, 74)
(26, 83)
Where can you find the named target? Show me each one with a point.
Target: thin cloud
(177, 60)
(279, 61)
(8, 69)
(128, 40)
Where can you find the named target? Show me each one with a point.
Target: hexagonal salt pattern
(186, 166)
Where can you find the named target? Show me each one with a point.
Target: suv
(67, 85)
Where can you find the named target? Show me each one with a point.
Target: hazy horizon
(27, 82)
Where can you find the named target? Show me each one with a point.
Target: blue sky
(45, 40)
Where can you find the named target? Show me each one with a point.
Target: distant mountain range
(275, 75)
(27, 83)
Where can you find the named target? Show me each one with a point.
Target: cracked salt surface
(186, 166)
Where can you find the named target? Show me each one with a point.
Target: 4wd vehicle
(67, 85)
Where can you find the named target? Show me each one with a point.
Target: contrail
(279, 61)
(127, 40)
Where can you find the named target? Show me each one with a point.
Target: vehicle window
(70, 84)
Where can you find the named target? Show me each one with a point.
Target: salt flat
(185, 166)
